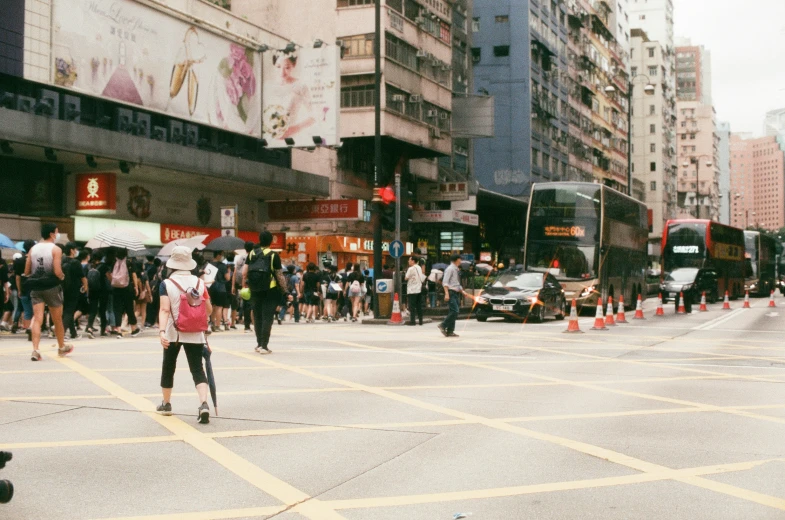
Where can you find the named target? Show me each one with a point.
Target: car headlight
(587, 291)
(482, 300)
(686, 287)
(753, 286)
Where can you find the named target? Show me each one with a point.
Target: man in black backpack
(263, 274)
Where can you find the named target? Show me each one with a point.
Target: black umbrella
(208, 365)
(225, 243)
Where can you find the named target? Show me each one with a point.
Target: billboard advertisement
(123, 50)
(301, 96)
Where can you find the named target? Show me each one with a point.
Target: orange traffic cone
(396, 319)
(746, 300)
(599, 322)
(681, 309)
(609, 321)
(703, 307)
(639, 310)
(660, 310)
(726, 302)
(620, 317)
(771, 300)
(573, 325)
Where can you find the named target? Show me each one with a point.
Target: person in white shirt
(414, 280)
(452, 295)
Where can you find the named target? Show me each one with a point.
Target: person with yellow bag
(263, 275)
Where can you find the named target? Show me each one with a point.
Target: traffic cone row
(746, 300)
(639, 310)
(609, 321)
(660, 310)
(681, 309)
(599, 322)
(771, 300)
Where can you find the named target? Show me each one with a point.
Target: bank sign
(96, 194)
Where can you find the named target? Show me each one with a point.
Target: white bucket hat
(181, 259)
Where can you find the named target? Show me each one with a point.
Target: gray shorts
(52, 298)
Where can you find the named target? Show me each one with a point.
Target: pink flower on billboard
(237, 70)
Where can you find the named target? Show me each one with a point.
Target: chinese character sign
(315, 210)
(96, 194)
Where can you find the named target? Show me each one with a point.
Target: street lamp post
(649, 90)
(709, 164)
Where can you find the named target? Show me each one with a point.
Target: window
(361, 45)
(351, 3)
(652, 129)
(535, 157)
(634, 71)
(502, 18)
(651, 52)
(500, 51)
(692, 136)
(642, 17)
(476, 54)
(652, 147)
(684, 124)
(653, 71)
(653, 186)
(652, 110)
(475, 25)
(359, 96)
(652, 166)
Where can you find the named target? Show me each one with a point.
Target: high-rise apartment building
(656, 18)
(775, 125)
(697, 146)
(693, 72)
(757, 182)
(723, 157)
(653, 116)
(621, 24)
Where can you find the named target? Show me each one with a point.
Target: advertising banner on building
(317, 210)
(126, 51)
(445, 191)
(445, 215)
(96, 194)
(301, 97)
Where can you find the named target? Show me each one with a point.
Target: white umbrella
(123, 238)
(194, 242)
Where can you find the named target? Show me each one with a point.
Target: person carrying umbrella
(183, 288)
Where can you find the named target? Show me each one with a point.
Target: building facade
(90, 103)
(653, 118)
(775, 125)
(697, 146)
(723, 156)
(757, 182)
(693, 72)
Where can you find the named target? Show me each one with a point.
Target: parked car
(692, 282)
(521, 295)
(652, 282)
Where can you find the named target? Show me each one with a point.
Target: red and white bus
(704, 244)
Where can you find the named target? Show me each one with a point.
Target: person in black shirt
(219, 290)
(265, 300)
(25, 310)
(311, 289)
(6, 299)
(75, 284)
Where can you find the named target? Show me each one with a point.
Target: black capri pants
(193, 351)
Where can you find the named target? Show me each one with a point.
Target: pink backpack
(193, 310)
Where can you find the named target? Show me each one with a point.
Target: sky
(747, 44)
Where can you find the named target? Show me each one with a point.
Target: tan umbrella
(123, 238)
(195, 242)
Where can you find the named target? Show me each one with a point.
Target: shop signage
(445, 191)
(141, 56)
(96, 194)
(446, 215)
(565, 231)
(171, 232)
(316, 210)
(485, 256)
(228, 217)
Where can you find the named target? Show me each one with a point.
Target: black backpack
(260, 270)
(94, 279)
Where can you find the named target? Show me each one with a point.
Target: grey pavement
(679, 417)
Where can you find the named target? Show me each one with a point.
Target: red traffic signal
(387, 194)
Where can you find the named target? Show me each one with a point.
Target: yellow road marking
(90, 442)
(286, 493)
(211, 515)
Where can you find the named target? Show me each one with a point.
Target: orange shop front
(331, 249)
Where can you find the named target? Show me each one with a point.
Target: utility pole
(377, 163)
(397, 279)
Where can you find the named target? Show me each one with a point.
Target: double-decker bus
(760, 263)
(591, 238)
(704, 244)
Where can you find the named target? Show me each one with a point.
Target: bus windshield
(564, 261)
(685, 246)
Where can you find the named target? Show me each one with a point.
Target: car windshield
(518, 281)
(682, 275)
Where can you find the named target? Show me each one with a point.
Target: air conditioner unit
(398, 98)
(422, 53)
(436, 133)
(415, 98)
(443, 115)
(432, 113)
(446, 67)
(420, 20)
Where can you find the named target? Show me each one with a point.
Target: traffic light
(407, 208)
(387, 196)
